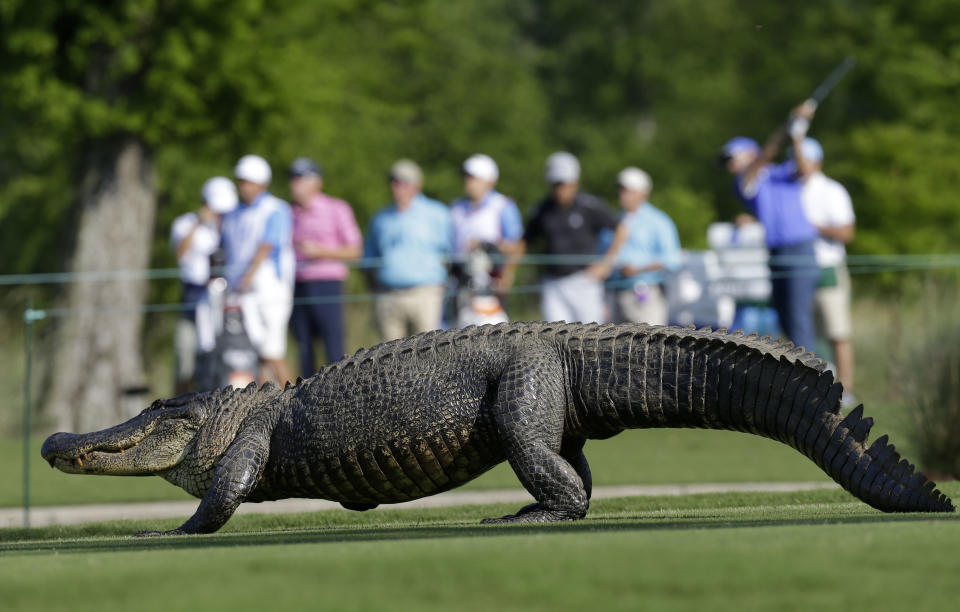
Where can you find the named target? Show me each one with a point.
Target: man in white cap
(568, 222)
(829, 208)
(259, 260)
(651, 248)
(195, 236)
(486, 217)
(413, 239)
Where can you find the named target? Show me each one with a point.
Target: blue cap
(739, 144)
(304, 166)
(812, 150)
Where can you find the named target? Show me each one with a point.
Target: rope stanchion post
(29, 316)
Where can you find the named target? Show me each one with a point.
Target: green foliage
(930, 377)
(77, 72)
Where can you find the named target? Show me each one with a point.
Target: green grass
(797, 551)
(634, 457)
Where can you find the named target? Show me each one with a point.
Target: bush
(931, 379)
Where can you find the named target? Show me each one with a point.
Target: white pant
(576, 297)
(185, 353)
(266, 315)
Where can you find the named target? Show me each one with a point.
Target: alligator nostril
(51, 444)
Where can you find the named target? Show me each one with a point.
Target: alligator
(417, 416)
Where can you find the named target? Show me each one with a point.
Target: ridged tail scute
(784, 393)
(676, 377)
(877, 475)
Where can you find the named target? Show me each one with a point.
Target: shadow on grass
(18, 540)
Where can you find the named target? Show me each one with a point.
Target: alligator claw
(153, 534)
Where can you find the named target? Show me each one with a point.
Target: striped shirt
(330, 222)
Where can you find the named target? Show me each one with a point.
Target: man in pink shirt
(325, 236)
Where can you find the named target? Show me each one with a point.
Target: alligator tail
(795, 403)
(877, 475)
(640, 376)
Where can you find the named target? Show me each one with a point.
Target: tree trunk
(97, 361)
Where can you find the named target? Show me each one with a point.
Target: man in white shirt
(484, 222)
(828, 207)
(194, 237)
(259, 262)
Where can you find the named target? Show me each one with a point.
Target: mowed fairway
(799, 551)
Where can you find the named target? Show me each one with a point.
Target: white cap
(482, 167)
(562, 167)
(220, 194)
(253, 168)
(406, 171)
(634, 179)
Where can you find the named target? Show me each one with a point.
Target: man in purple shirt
(773, 193)
(325, 236)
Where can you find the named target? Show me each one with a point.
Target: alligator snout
(56, 445)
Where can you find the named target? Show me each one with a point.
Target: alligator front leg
(529, 418)
(234, 477)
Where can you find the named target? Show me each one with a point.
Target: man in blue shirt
(651, 249)
(413, 238)
(773, 193)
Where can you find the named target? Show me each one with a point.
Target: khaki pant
(833, 308)
(646, 306)
(404, 312)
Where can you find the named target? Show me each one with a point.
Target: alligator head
(153, 442)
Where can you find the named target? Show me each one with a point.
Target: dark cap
(304, 166)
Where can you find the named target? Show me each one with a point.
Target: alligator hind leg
(572, 452)
(529, 418)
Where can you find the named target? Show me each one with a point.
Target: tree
(92, 89)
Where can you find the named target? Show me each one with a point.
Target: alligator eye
(156, 405)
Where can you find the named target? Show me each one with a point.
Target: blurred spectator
(259, 261)
(568, 222)
(325, 235)
(773, 193)
(651, 248)
(485, 223)
(828, 206)
(744, 269)
(195, 236)
(413, 237)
